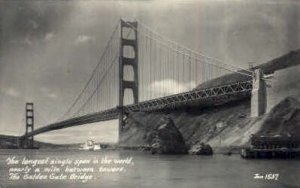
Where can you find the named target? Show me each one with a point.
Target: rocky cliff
(283, 119)
(228, 125)
(155, 131)
(222, 127)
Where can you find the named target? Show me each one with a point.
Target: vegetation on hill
(282, 62)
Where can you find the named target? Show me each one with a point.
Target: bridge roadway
(199, 97)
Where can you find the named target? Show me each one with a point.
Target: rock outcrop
(160, 135)
(283, 119)
(166, 139)
(201, 149)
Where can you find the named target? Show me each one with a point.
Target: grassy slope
(282, 62)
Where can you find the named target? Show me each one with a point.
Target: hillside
(283, 119)
(228, 125)
(10, 142)
(282, 62)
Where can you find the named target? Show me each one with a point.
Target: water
(166, 171)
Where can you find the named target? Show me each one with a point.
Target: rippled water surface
(168, 171)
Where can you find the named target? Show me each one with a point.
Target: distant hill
(10, 142)
(282, 62)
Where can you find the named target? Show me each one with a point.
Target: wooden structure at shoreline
(277, 146)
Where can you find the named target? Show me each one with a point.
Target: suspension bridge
(142, 70)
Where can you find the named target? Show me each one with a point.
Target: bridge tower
(124, 61)
(259, 94)
(28, 141)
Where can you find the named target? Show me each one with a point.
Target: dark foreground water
(145, 170)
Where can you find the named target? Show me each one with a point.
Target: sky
(48, 49)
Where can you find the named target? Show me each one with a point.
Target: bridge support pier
(18, 141)
(259, 94)
(131, 62)
(121, 120)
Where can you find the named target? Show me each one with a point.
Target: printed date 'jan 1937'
(269, 176)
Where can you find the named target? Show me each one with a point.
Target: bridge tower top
(128, 57)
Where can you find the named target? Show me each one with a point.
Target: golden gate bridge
(141, 70)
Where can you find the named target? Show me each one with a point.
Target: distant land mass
(10, 142)
(288, 60)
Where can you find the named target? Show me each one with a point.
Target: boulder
(201, 149)
(166, 139)
(154, 132)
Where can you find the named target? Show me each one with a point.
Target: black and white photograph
(149, 93)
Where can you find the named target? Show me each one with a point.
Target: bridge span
(199, 97)
(141, 71)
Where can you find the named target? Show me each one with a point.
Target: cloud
(52, 95)
(170, 86)
(48, 93)
(12, 92)
(49, 36)
(83, 39)
(34, 24)
(27, 41)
